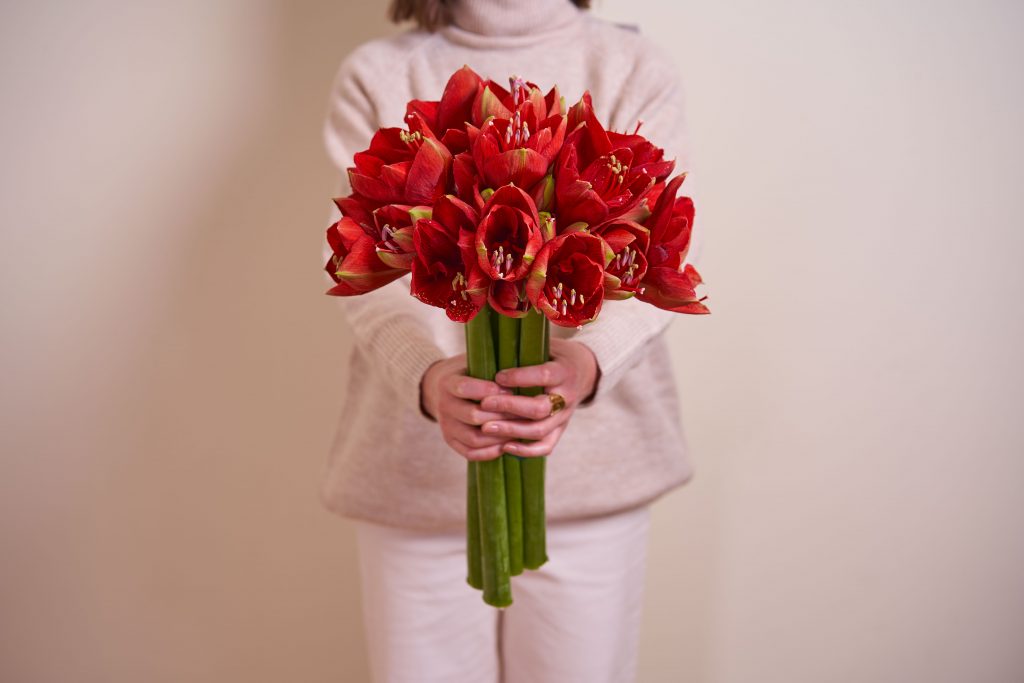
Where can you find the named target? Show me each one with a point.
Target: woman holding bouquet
(412, 418)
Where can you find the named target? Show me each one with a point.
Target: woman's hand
(572, 373)
(449, 396)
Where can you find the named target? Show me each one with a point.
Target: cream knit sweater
(388, 463)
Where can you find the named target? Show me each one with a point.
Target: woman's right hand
(450, 397)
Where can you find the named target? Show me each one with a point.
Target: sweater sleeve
(388, 324)
(619, 336)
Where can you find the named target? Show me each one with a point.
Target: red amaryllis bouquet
(512, 212)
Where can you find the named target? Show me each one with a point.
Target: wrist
(591, 375)
(427, 394)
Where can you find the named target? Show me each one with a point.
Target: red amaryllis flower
(445, 272)
(390, 226)
(508, 236)
(518, 149)
(601, 174)
(402, 166)
(447, 117)
(628, 242)
(493, 100)
(567, 280)
(354, 265)
(393, 229)
(670, 282)
(673, 290)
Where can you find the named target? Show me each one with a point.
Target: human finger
(475, 454)
(530, 407)
(548, 374)
(472, 388)
(469, 435)
(469, 412)
(536, 448)
(525, 429)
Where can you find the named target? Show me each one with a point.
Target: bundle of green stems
(505, 526)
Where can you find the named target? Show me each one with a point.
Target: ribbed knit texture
(388, 463)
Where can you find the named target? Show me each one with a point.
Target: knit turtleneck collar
(505, 20)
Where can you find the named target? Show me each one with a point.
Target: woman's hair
(430, 14)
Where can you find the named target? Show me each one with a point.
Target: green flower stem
(533, 350)
(474, 568)
(508, 357)
(490, 476)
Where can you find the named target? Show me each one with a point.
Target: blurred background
(170, 365)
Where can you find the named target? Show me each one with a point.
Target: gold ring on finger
(557, 403)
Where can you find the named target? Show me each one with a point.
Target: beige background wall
(170, 364)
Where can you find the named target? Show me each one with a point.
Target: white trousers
(575, 620)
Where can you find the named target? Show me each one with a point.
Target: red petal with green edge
(394, 215)
(418, 212)
(535, 102)
(544, 193)
(524, 167)
(456, 105)
(357, 208)
(550, 137)
(517, 198)
(393, 259)
(362, 262)
(345, 233)
(611, 284)
(553, 102)
(547, 226)
(426, 179)
(363, 270)
(580, 111)
(639, 212)
(508, 298)
(488, 104)
(672, 291)
(402, 256)
(619, 233)
(343, 289)
(372, 188)
(538, 275)
(331, 267)
(608, 253)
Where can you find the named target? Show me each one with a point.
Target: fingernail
(490, 428)
(511, 448)
(505, 391)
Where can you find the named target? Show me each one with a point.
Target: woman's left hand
(571, 373)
